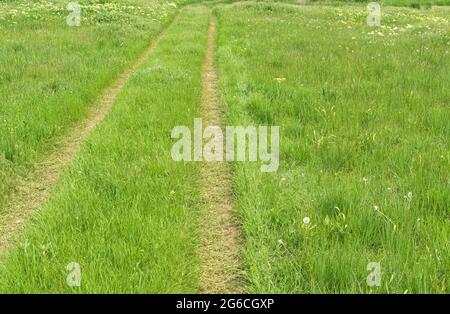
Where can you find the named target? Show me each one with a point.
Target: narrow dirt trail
(219, 231)
(33, 192)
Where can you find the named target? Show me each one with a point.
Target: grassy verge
(125, 211)
(50, 73)
(417, 4)
(364, 146)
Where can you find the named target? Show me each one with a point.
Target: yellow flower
(279, 79)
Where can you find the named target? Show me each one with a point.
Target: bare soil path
(219, 231)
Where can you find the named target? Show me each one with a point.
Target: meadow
(125, 211)
(51, 74)
(364, 161)
(363, 114)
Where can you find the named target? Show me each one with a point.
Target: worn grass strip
(33, 192)
(219, 243)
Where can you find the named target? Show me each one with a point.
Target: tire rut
(220, 269)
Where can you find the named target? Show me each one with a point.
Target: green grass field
(51, 74)
(121, 210)
(364, 144)
(364, 121)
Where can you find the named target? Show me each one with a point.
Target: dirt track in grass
(33, 191)
(219, 240)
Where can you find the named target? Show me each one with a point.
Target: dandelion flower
(279, 79)
(306, 220)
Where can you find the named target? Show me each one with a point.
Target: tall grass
(364, 143)
(51, 74)
(125, 211)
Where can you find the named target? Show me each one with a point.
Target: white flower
(409, 196)
(280, 242)
(375, 207)
(306, 220)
